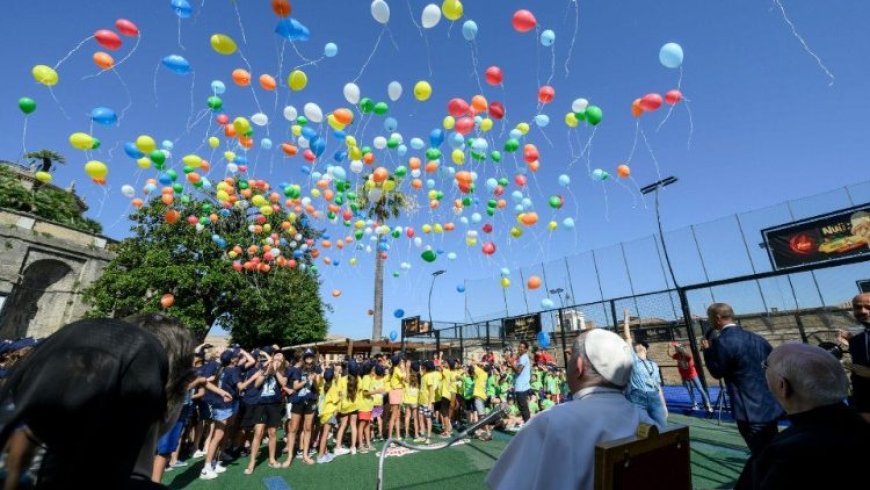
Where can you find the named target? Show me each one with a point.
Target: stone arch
(29, 296)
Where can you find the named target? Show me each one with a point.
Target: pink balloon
(524, 21)
(520, 180)
(494, 75)
(488, 248)
(546, 94)
(126, 28)
(651, 102)
(457, 107)
(464, 125)
(673, 96)
(108, 39)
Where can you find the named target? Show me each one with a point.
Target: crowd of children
(239, 400)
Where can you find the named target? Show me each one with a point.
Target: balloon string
(251, 86)
(574, 37)
(606, 203)
(156, 71)
(803, 42)
(179, 35)
(241, 26)
(547, 138)
(190, 112)
(116, 65)
(292, 43)
(59, 106)
(475, 66)
(637, 188)
(628, 189)
(634, 145)
(311, 62)
(413, 19)
(129, 96)
(691, 123)
(113, 149)
(280, 71)
(671, 109)
(651, 154)
(24, 137)
(552, 63)
(374, 49)
(72, 51)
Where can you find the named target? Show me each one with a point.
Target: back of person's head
(606, 359)
(94, 389)
(379, 370)
(721, 310)
(815, 377)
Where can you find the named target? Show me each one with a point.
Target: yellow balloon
(523, 128)
(222, 196)
(229, 156)
(96, 170)
(355, 153)
(571, 120)
(334, 123)
(458, 156)
(427, 228)
(359, 224)
(266, 211)
(144, 163)
(145, 144)
(259, 201)
(43, 177)
(438, 228)
(81, 141)
(449, 122)
(389, 185)
(223, 44)
(353, 261)
(315, 192)
(422, 90)
(552, 225)
(486, 124)
(350, 141)
(297, 80)
(192, 160)
(241, 125)
(213, 142)
(505, 282)
(45, 75)
(433, 194)
(452, 9)
(516, 232)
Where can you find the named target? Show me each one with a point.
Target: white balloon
(394, 90)
(260, 119)
(356, 166)
(579, 105)
(303, 142)
(417, 143)
(431, 16)
(375, 195)
(380, 142)
(381, 11)
(232, 168)
(128, 191)
(416, 173)
(290, 113)
(313, 112)
(418, 242)
(352, 93)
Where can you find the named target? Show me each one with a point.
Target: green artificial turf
(718, 455)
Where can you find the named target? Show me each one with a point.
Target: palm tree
(385, 206)
(45, 158)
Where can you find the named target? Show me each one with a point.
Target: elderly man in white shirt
(556, 449)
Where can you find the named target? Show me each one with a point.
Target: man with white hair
(827, 441)
(859, 351)
(556, 449)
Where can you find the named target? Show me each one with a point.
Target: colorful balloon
(671, 55)
(546, 94)
(96, 169)
(81, 141)
(494, 75)
(394, 90)
(108, 39)
(45, 75)
(452, 9)
(330, 50)
(281, 8)
(103, 60)
(177, 64)
(380, 11)
(524, 21)
(241, 77)
(27, 105)
(672, 97)
(181, 8)
(399, 313)
(297, 80)
(43, 177)
(431, 16)
(534, 282)
(422, 90)
(104, 116)
(292, 30)
(650, 102)
(126, 28)
(223, 44)
(469, 30)
(548, 38)
(623, 171)
(594, 115)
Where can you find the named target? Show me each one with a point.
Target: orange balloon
(241, 77)
(417, 184)
(289, 150)
(268, 82)
(636, 109)
(229, 131)
(246, 142)
(529, 219)
(479, 104)
(328, 195)
(534, 282)
(344, 116)
(193, 177)
(172, 216)
(369, 158)
(137, 203)
(449, 227)
(322, 184)
(431, 167)
(502, 203)
(414, 163)
(167, 300)
(204, 166)
(380, 174)
(534, 165)
(326, 244)
(463, 177)
(336, 293)
(434, 203)
(167, 200)
(103, 60)
(281, 8)
(623, 171)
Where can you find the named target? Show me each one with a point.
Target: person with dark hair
(303, 381)
(645, 388)
(398, 383)
(736, 355)
(349, 391)
(328, 409)
(264, 399)
(222, 398)
(522, 384)
(93, 381)
(824, 434)
(689, 375)
(365, 407)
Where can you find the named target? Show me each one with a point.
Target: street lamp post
(431, 287)
(559, 291)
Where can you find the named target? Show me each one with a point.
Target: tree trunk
(378, 321)
(46, 165)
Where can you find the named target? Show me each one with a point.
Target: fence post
(690, 331)
(487, 334)
(613, 315)
(461, 347)
(437, 341)
(564, 345)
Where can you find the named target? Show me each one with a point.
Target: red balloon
(520, 180)
(464, 125)
(281, 8)
(524, 21)
(673, 96)
(222, 119)
(457, 107)
(409, 232)
(494, 75)
(496, 110)
(487, 228)
(636, 109)
(530, 152)
(126, 28)
(488, 248)
(546, 94)
(108, 39)
(650, 102)
(309, 155)
(499, 190)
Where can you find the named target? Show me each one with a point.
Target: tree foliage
(282, 306)
(46, 202)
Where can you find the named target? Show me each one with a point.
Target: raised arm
(626, 329)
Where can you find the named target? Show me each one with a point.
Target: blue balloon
(339, 134)
(330, 50)
(318, 145)
(469, 30)
(218, 87)
(568, 223)
(402, 150)
(292, 30)
(460, 288)
(164, 179)
(177, 64)
(339, 156)
(457, 140)
(548, 37)
(491, 184)
(104, 116)
(305, 169)
(393, 335)
(543, 338)
(451, 256)
(542, 120)
(436, 137)
(417, 143)
(390, 124)
(399, 313)
(564, 180)
(599, 175)
(339, 173)
(515, 134)
(131, 150)
(167, 145)
(181, 8)
(671, 55)
(266, 144)
(240, 159)
(308, 132)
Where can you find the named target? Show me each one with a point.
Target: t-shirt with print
(251, 394)
(304, 394)
(270, 390)
(228, 380)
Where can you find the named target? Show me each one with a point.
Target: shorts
(377, 411)
(306, 407)
(445, 407)
(223, 414)
(469, 404)
(268, 414)
(396, 397)
(478, 406)
(425, 411)
(247, 415)
(328, 419)
(168, 442)
(364, 416)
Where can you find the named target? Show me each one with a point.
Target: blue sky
(767, 125)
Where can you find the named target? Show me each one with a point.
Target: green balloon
(555, 202)
(366, 150)
(159, 165)
(27, 105)
(503, 182)
(330, 215)
(172, 174)
(400, 171)
(366, 105)
(358, 234)
(302, 120)
(396, 234)
(490, 211)
(291, 191)
(157, 156)
(491, 204)
(511, 145)
(478, 156)
(351, 196)
(381, 108)
(395, 273)
(581, 116)
(433, 154)
(594, 115)
(429, 256)
(96, 144)
(354, 206)
(215, 103)
(466, 201)
(243, 184)
(203, 220)
(177, 188)
(188, 169)
(393, 143)
(495, 155)
(439, 195)
(339, 200)
(206, 207)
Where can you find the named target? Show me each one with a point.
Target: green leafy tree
(281, 306)
(383, 206)
(45, 159)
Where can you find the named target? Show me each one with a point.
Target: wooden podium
(647, 460)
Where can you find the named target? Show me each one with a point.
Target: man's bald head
(861, 308)
(804, 376)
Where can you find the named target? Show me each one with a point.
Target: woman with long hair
(398, 381)
(328, 409)
(348, 410)
(304, 402)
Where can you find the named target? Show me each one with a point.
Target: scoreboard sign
(413, 326)
(522, 327)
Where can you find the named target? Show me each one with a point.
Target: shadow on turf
(713, 469)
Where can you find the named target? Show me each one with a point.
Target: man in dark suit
(736, 355)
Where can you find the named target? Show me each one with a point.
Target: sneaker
(342, 451)
(198, 454)
(363, 450)
(168, 468)
(419, 439)
(219, 468)
(353, 451)
(207, 474)
(696, 407)
(323, 459)
(179, 464)
(427, 441)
